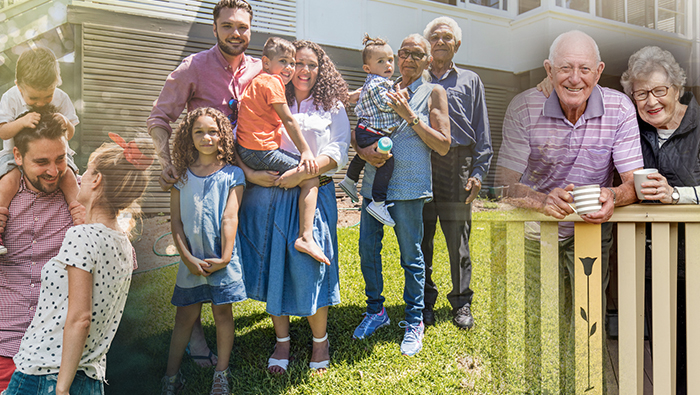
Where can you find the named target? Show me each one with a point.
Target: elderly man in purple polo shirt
(575, 137)
(214, 78)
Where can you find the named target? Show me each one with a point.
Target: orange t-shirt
(259, 127)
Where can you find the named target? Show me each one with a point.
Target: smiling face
(205, 136)
(36, 98)
(232, 31)
(306, 73)
(658, 112)
(443, 44)
(281, 64)
(43, 164)
(574, 73)
(410, 68)
(381, 61)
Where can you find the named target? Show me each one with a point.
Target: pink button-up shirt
(34, 233)
(204, 79)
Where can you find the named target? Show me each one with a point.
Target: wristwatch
(414, 121)
(675, 196)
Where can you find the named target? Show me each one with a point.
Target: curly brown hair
(330, 86)
(184, 152)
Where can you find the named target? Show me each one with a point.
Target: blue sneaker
(413, 338)
(371, 323)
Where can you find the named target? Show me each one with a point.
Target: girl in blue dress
(204, 213)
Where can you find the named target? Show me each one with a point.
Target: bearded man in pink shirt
(214, 78)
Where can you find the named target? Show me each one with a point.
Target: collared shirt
(204, 79)
(469, 120)
(551, 152)
(326, 132)
(372, 107)
(33, 235)
(412, 177)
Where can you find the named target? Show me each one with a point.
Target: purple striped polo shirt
(551, 152)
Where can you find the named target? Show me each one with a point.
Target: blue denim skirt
(27, 384)
(290, 282)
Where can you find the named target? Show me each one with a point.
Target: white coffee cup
(640, 176)
(586, 199)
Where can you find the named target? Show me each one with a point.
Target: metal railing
(510, 278)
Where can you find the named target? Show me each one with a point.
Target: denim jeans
(278, 160)
(408, 215)
(383, 174)
(26, 384)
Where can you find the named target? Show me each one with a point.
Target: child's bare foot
(279, 359)
(308, 245)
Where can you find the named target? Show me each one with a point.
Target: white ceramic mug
(640, 176)
(586, 199)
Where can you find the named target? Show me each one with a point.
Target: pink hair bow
(132, 152)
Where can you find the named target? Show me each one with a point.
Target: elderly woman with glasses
(425, 127)
(669, 124)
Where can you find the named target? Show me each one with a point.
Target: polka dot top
(108, 255)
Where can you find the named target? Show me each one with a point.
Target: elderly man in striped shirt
(577, 136)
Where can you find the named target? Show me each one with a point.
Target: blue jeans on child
(278, 160)
(26, 384)
(409, 233)
(365, 138)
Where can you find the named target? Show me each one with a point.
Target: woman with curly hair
(204, 212)
(290, 282)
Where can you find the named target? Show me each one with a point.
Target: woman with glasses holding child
(669, 124)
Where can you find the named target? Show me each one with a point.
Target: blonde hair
(123, 185)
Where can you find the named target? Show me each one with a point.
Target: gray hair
(648, 60)
(443, 20)
(554, 48)
(426, 46)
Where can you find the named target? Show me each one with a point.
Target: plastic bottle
(384, 145)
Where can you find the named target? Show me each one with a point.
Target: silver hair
(443, 20)
(554, 48)
(648, 60)
(426, 46)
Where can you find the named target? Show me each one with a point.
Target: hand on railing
(557, 202)
(604, 214)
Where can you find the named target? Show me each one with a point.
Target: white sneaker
(381, 213)
(350, 188)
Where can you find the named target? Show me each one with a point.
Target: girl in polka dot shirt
(84, 287)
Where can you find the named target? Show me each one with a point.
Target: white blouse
(326, 132)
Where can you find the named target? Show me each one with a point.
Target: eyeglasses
(233, 117)
(404, 54)
(568, 70)
(302, 65)
(659, 91)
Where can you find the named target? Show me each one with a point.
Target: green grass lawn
(452, 360)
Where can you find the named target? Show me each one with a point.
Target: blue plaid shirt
(372, 108)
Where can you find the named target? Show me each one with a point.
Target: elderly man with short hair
(576, 137)
(457, 176)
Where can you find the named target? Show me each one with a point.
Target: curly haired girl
(204, 213)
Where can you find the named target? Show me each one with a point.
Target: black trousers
(450, 174)
(383, 174)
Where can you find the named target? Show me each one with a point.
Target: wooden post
(664, 268)
(692, 301)
(549, 294)
(630, 246)
(588, 316)
(515, 306)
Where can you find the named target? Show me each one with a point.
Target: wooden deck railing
(508, 287)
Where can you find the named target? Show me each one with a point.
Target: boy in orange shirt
(262, 114)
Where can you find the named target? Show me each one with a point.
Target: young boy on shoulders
(35, 91)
